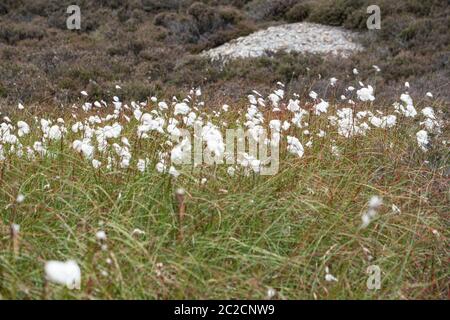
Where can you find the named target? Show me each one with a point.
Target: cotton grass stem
(180, 196)
(15, 238)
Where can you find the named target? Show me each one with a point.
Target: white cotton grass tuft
(365, 94)
(174, 172)
(160, 167)
(295, 147)
(428, 112)
(96, 164)
(313, 95)
(375, 203)
(65, 273)
(137, 232)
(15, 228)
(333, 81)
(142, 165)
(321, 107)
(407, 109)
(162, 106)
(20, 198)
(329, 277)
(100, 235)
(55, 133)
(271, 293)
(422, 140)
(23, 128)
(293, 105)
(180, 192)
(181, 108)
(395, 209)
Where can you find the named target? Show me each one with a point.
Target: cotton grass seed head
(20, 198)
(64, 273)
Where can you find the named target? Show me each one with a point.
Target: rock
(298, 37)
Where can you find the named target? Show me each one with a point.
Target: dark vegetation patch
(150, 47)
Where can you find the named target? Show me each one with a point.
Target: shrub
(222, 36)
(270, 9)
(11, 34)
(230, 15)
(180, 28)
(357, 20)
(299, 12)
(205, 17)
(203, 26)
(138, 90)
(113, 4)
(136, 46)
(120, 49)
(152, 5)
(334, 12)
(235, 3)
(420, 8)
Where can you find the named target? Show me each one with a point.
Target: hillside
(151, 47)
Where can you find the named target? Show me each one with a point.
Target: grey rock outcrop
(299, 37)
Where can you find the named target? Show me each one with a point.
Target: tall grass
(240, 235)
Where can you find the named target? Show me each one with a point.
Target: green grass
(241, 235)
